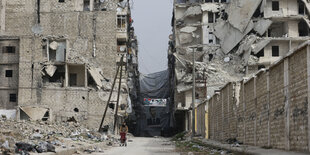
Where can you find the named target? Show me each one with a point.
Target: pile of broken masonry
(24, 137)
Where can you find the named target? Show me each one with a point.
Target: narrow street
(144, 146)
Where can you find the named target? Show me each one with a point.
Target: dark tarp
(152, 120)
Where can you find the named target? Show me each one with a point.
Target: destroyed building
(232, 39)
(59, 57)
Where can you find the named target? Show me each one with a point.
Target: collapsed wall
(232, 39)
(65, 57)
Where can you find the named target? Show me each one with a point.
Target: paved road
(144, 146)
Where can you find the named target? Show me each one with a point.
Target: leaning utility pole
(118, 95)
(194, 91)
(110, 96)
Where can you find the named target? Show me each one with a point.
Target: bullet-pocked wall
(89, 40)
(269, 109)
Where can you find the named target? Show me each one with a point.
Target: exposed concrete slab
(50, 70)
(260, 45)
(188, 29)
(34, 113)
(240, 13)
(211, 7)
(229, 35)
(193, 11)
(185, 38)
(97, 77)
(262, 26)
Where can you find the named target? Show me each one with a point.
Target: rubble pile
(26, 136)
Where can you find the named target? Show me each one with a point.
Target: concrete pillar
(308, 82)
(287, 104)
(91, 5)
(268, 105)
(222, 96)
(255, 121)
(66, 75)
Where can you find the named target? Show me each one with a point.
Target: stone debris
(24, 137)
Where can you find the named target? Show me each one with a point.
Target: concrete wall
(286, 8)
(272, 108)
(90, 41)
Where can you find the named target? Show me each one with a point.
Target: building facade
(59, 57)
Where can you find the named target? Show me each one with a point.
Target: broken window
(9, 73)
(278, 29)
(86, 5)
(8, 49)
(13, 97)
(56, 50)
(210, 17)
(275, 6)
(122, 22)
(121, 45)
(61, 1)
(303, 29)
(301, 8)
(55, 74)
(76, 75)
(275, 51)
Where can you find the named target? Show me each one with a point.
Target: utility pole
(110, 96)
(118, 95)
(194, 92)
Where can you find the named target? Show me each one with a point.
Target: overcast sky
(152, 23)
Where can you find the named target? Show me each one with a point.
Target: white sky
(152, 23)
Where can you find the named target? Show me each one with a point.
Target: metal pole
(110, 96)
(118, 95)
(194, 92)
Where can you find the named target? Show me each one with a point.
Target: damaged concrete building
(59, 57)
(232, 39)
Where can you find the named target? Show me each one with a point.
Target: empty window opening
(121, 22)
(56, 50)
(210, 17)
(277, 30)
(61, 1)
(275, 6)
(260, 67)
(275, 51)
(121, 45)
(8, 49)
(76, 110)
(90, 81)
(13, 98)
(86, 5)
(57, 77)
(9, 73)
(303, 29)
(73, 79)
(76, 75)
(301, 8)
